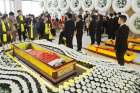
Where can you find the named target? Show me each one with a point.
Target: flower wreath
(134, 23)
(121, 5)
(102, 5)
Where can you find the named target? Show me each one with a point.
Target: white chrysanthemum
(64, 4)
(134, 23)
(121, 5)
(55, 5)
(102, 5)
(14, 87)
(75, 5)
(136, 5)
(87, 5)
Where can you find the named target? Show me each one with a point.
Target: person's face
(66, 17)
(43, 17)
(90, 18)
(11, 17)
(96, 14)
(119, 21)
(77, 18)
(46, 19)
(0, 17)
(20, 13)
(32, 17)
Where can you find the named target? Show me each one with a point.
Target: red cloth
(44, 56)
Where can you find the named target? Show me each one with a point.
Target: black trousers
(95, 36)
(92, 37)
(120, 57)
(61, 38)
(69, 40)
(98, 37)
(79, 41)
(22, 34)
(53, 31)
(111, 36)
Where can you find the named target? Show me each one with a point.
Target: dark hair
(4, 16)
(80, 16)
(119, 13)
(0, 14)
(11, 14)
(69, 15)
(111, 14)
(18, 11)
(115, 13)
(123, 17)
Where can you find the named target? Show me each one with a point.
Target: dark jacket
(121, 38)
(69, 27)
(116, 25)
(111, 26)
(79, 27)
(40, 27)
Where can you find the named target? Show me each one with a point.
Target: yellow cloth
(31, 29)
(10, 30)
(3, 26)
(4, 36)
(46, 28)
(50, 35)
(22, 25)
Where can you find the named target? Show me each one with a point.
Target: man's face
(66, 16)
(20, 13)
(46, 18)
(119, 21)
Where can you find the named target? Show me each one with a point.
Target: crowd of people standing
(45, 27)
(29, 27)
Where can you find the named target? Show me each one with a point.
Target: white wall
(27, 6)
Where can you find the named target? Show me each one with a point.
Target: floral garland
(136, 5)
(63, 5)
(49, 6)
(134, 23)
(102, 5)
(121, 5)
(75, 5)
(13, 86)
(55, 4)
(19, 80)
(105, 77)
(88, 5)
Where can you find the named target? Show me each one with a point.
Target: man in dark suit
(79, 34)
(69, 28)
(111, 25)
(121, 39)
